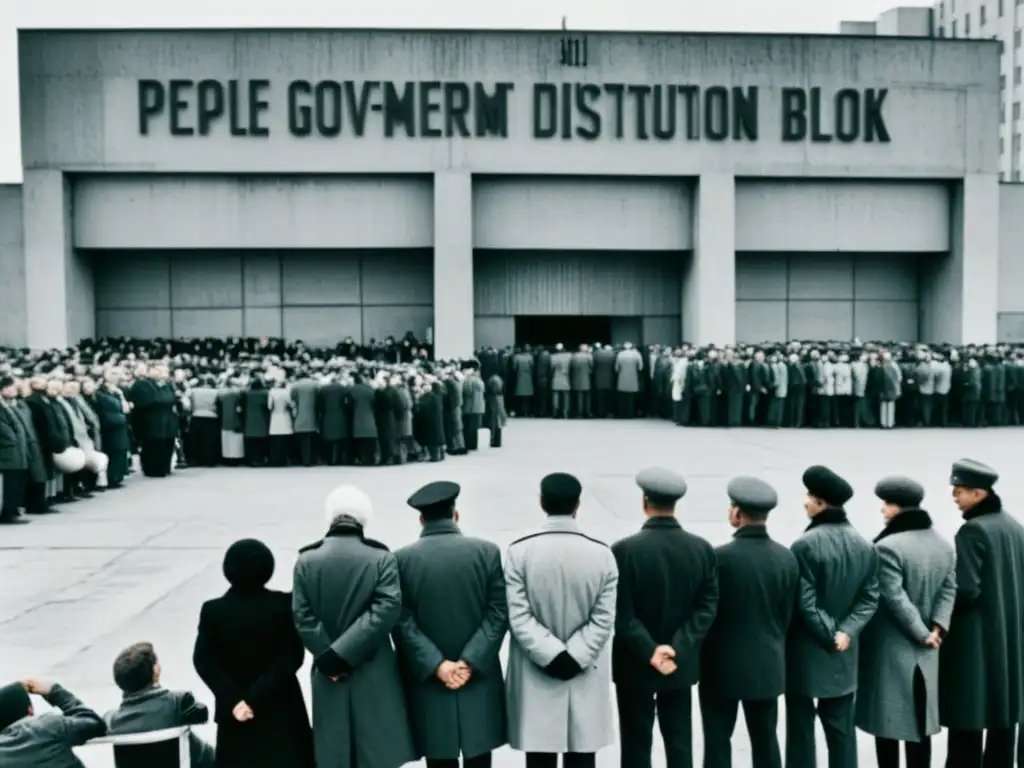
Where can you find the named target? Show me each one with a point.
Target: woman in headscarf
(248, 653)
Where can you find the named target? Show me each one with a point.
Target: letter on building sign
(848, 115)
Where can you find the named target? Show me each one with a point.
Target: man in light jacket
(561, 587)
(346, 601)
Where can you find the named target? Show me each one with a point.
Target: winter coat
(364, 423)
(522, 367)
(280, 404)
(255, 413)
(917, 582)
(334, 409)
(843, 379)
(347, 599)
(629, 366)
(581, 368)
(46, 740)
(304, 406)
(560, 363)
(561, 588)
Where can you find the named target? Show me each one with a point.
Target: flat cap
(439, 495)
(899, 490)
(821, 482)
(661, 484)
(560, 486)
(752, 495)
(973, 474)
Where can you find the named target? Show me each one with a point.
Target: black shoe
(83, 495)
(13, 520)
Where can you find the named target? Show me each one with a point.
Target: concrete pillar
(709, 283)
(59, 293)
(959, 290)
(453, 265)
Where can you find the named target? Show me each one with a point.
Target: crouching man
(28, 740)
(147, 706)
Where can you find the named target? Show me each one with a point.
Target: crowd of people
(898, 637)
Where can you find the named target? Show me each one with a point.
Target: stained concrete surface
(77, 587)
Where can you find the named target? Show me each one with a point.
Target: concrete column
(959, 290)
(453, 265)
(709, 283)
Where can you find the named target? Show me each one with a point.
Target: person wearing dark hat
(898, 679)
(666, 602)
(28, 740)
(744, 654)
(248, 653)
(561, 588)
(14, 456)
(454, 620)
(981, 660)
(838, 595)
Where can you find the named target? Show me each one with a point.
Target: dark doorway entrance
(570, 330)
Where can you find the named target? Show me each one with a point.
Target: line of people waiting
(898, 637)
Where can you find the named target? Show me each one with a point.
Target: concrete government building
(492, 187)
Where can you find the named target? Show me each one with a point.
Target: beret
(973, 474)
(901, 491)
(821, 482)
(441, 493)
(560, 486)
(752, 495)
(248, 563)
(661, 483)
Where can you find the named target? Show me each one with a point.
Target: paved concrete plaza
(137, 564)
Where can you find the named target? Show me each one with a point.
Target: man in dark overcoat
(304, 404)
(13, 455)
(34, 497)
(581, 368)
(495, 416)
(604, 380)
(364, 425)
(454, 620)
(981, 660)
(744, 656)
(668, 593)
(334, 415)
(473, 408)
(346, 600)
(155, 419)
(838, 595)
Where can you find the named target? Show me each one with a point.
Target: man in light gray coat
(629, 365)
(304, 400)
(561, 587)
(561, 361)
(346, 600)
(898, 683)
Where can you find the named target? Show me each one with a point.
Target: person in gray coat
(28, 740)
(561, 587)
(473, 408)
(304, 408)
(838, 595)
(346, 601)
(581, 369)
(898, 683)
(561, 360)
(629, 365)
(454, 620)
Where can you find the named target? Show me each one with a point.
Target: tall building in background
(998, 20)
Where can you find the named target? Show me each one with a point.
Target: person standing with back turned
(561, 603)
(838, 595)
(744, 658)
(981, 659)
(668, 593)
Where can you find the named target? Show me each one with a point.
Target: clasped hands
(454, 674)
(663, 659)
(242, 712)
(934, 640)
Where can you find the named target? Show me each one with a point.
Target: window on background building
(981, 20)
(967, 25)
(1016, 144)
(1002, 113)
(1002, 146)
(1016, 38)
(1016, 110)
(941, 32)
(942, 10)
(953, 31)
(1002, 84)
(1000, 9)
(1016, 75)
(1000, 44)
(1016, 175)
(952, 6)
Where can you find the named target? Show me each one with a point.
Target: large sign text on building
(452, 109)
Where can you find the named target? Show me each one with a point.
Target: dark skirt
(204, 436)
(117, 468)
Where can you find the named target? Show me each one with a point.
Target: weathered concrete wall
(12, 267)
(1011, 262)
(81, 96)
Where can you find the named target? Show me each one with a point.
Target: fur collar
(826, 516)
(987, 506)
(912, 519)
(347, 526)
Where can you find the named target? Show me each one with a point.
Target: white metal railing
(181, 735)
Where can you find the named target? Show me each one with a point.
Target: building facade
(489, 187)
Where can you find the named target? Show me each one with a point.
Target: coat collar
(663, 522)
(751, 532)
(561, 523)
(440, 528)
(907, 520)
(146, 693)
(829, 515)
(990, 505)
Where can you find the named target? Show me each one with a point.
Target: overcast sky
(674, 15)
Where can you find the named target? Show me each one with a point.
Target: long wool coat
(454, 608)
(838, 592)
(917, 581)
(347, 598)
(981, 662)
(628, 367)
(561, 588)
